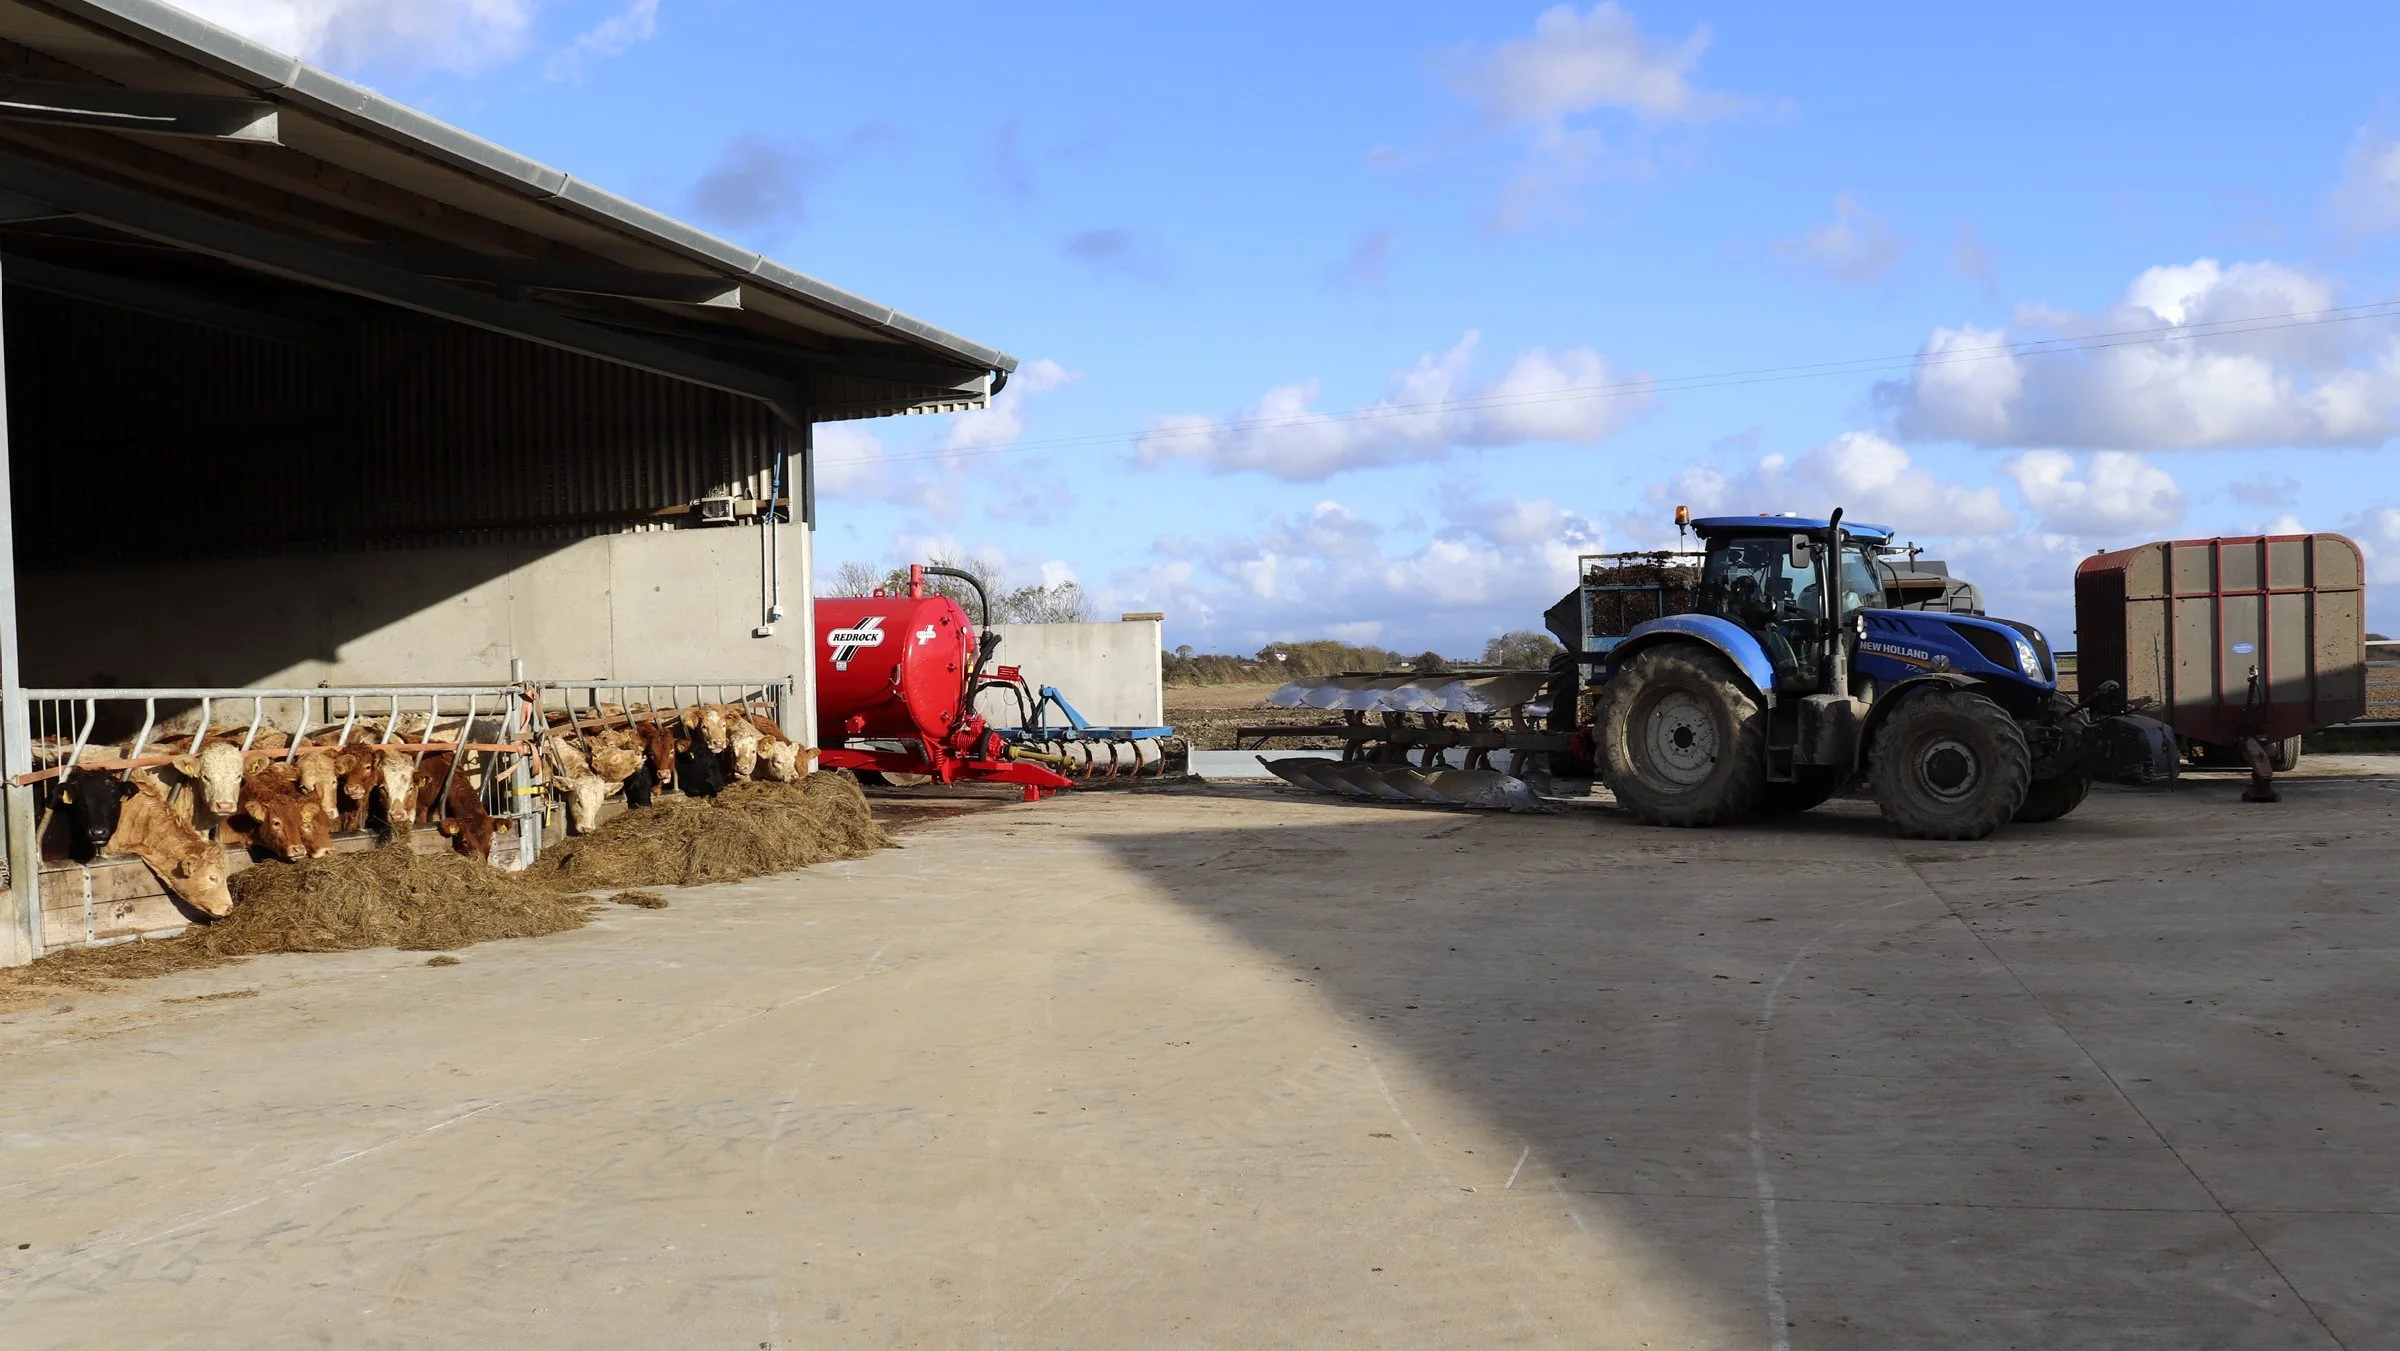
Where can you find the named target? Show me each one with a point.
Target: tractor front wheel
(1682, 741)
(2051, 798)
(1950, 765)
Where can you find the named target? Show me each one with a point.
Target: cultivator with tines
(1053, 733)
(1428, 739)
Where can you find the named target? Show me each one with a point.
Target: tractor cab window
(1862, 579)
(1750, 580)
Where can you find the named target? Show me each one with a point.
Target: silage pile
(391, 897)
(394, 897)
(749, 830)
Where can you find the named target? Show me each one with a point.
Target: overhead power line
(1647, 387)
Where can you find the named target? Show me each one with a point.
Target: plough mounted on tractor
(1785, 660)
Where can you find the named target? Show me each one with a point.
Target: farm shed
(305, 388)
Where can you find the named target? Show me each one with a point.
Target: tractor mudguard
(1727, 637)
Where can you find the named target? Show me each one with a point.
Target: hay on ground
(395, 897)
(646, 900)
(391, 897)
(749, 830)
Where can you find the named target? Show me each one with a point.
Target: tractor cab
(1764, 575)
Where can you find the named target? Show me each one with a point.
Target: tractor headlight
(2028, 660)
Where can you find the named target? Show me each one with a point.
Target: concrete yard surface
(1243, 1067)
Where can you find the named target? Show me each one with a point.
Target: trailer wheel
(1682, 741)
(2051, 798)
(2284, 756)
(1950, 765)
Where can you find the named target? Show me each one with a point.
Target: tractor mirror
(1804, 553)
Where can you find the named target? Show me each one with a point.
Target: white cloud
(457, 35)
(2377, 531)
(853, 465)
(1003, 422)
(613, 36)
(1870, 478)
(1577, 63)
(1333, 572)
(2244, 385)
(1430, 409)
(1548, 87)
(2367, 199)
(2116, 497)
(1854, 248)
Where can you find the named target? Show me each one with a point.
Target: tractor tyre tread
(1741, 766)
(1791, 799)
(2054, 797)
(2004, 761)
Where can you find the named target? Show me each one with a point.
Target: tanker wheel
(2284, 756)
(2051, 798)
(1682, 741)
(1950, 765)
(1791, 799)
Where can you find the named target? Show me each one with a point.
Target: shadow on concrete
(1677, 1025)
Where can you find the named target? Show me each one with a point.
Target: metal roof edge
(269, 71)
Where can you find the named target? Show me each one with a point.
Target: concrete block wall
(1108, 671)
(678, 604)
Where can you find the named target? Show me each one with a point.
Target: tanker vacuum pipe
(983, 639)
(1837, 660)
(982, 599)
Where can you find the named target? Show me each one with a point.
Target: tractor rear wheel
(1950, 765)
(1682, 741)
(2051, 798)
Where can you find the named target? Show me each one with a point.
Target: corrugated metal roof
(358, 131)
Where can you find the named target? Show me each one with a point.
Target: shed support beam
(537, 274)
(165, 302)
(21, 925)
(113, 109)
(336, 268)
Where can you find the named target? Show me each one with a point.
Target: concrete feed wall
(1108, 671)
(676, 603)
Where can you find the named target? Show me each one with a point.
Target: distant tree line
(1032, 603)
(1522, 649)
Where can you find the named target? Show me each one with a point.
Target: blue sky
(1524, 240)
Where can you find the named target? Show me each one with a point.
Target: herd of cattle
(177, 807)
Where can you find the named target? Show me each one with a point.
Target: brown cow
(321, 778)
(463, 818)
(742, 743)
(188, 865)
(658, 742)
(705, 724)
(778, 755)
(616, 755)
(356, 771)
(283, 820)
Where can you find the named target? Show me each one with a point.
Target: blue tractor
(1791, 679)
